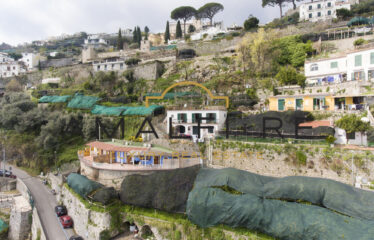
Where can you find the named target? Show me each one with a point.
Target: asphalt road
(45, 203)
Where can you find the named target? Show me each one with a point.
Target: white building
(32, 60)
(9, 67)
(357, 65)
(321, 10)
(5, 58)
(51, 80)
(184, 121)
(95, 41)
(109, 64)
(356, 138)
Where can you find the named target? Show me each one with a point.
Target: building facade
(109, 64)
(357, 65)
(185, 123)
(321, 10)
(31, 60)
(95, 41)
(9, 67)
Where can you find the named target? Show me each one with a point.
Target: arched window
(314, 67)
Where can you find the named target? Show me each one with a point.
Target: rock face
(163, 190)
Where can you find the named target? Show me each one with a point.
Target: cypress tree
(146, 30)
(139, 32)
(178, 33)
(119, 40)
(167, 33)
(135, 35)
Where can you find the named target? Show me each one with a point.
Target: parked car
(61, 210)
(76, 237)
(7, 174)
(66, 221)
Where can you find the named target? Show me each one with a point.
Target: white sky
(26, 20)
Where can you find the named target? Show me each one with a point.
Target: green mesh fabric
(83, 102)
(82, 185)
(108, 111)
(54, 99)
(142, 110)
(3, 225)
(273, 205)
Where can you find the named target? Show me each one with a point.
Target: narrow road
(45, 203)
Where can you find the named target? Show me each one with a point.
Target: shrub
(132, 61)
(359, 42)
(330, 139)
(301, 157)
(251, 23)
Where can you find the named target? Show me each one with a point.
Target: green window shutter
(372, 58)
(334, 65)
(179, 116)
(358, 60)
(193, 117)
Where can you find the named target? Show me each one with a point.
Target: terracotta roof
(111, 147)
(314, 124)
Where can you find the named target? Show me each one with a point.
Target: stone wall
(19, 223)
(36, 227)
(7, 184)
(148, 71)
(22, 189)
(278, 161)
(210, 47)
(109, 178)
(86, 221)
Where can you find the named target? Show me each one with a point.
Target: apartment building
(321, 10)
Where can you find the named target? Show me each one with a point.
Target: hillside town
(207, 130)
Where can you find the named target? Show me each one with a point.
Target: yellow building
(315, 102)
(302, 102)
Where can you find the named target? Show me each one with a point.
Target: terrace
(127, 156)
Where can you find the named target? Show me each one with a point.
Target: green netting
(3, 225)
(105, 195)
(82, 185)
(172, 95)
(54, 99)
(109, 111)
(142, 110)
(271, 205)
(83, 102)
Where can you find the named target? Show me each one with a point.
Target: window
(372, 58)
(310, 7)
(319, 14)
(319, 6)
(98, 67)
(371, 75)
(182, 117)
(112, 66)
(329, 4)
(334, 65)
(358, 60)
(358, 76)
(212, 116)
(105, 67)
(195, 130)
(194, 117)
(310, 15)
(121, 66)
(329, 12)
(314, 67)
(211, 130)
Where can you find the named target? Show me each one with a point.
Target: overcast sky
(26, 20)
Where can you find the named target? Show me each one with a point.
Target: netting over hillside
(270, 205)
(3, 225)
(108, 111)
(54, 99)
(83, 102)
(142, 110)
(82, 185)
(165, 190)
